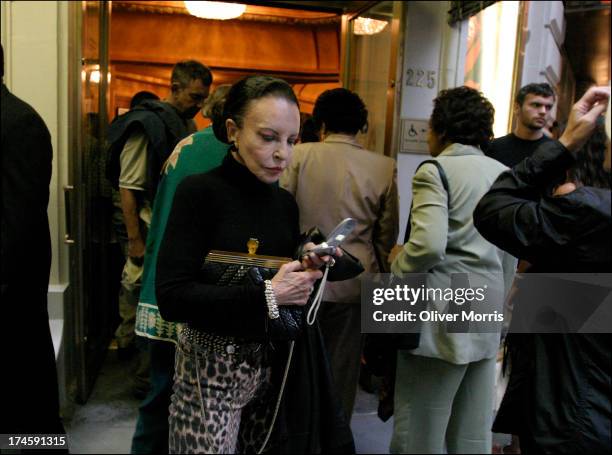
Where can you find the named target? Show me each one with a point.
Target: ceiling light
(367, 26)
(95, 76)
(215, 10)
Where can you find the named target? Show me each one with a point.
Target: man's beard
(190, 113)
(534, 127)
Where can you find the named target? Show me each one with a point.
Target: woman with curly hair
(444, 387)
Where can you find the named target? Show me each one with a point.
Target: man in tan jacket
(332, 180)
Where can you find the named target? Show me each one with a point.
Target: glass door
(372, 47)
(93, 276)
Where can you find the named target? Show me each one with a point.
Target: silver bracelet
(271, 300)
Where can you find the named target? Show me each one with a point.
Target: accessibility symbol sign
(414, 136)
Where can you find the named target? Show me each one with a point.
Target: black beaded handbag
(225, 268)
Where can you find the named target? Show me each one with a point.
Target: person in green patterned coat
(197, 153)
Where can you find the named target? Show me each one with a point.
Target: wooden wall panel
(159, 38)
(144, 47)
(328, 49)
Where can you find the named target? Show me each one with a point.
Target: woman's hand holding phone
(316, 256)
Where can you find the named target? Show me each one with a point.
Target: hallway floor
(105, 424)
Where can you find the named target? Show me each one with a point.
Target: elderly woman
(444, 388)
(227, 381)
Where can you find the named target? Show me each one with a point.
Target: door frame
(83, 363)
(395, 65)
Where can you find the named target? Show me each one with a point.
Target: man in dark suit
(29, 398)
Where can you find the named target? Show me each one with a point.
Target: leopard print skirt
(221, 403)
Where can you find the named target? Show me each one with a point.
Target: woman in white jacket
(444, 388)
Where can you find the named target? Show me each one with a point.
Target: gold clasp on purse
(252, 245)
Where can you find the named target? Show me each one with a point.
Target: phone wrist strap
(316, 303)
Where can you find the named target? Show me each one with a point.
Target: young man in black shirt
(532, 107)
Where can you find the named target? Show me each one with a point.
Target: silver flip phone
(337, 236)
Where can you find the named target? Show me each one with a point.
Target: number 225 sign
(420, 78)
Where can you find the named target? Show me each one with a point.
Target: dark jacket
(310, 418)
(26, 174)
(163, 127)
(29, 401)
(558, 398)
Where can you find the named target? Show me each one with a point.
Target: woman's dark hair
(341, 110)
(588, 169)
(463, 115)
(250, 89)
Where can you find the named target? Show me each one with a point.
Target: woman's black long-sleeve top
(559, 391)
(221, 210)
(555, 234)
